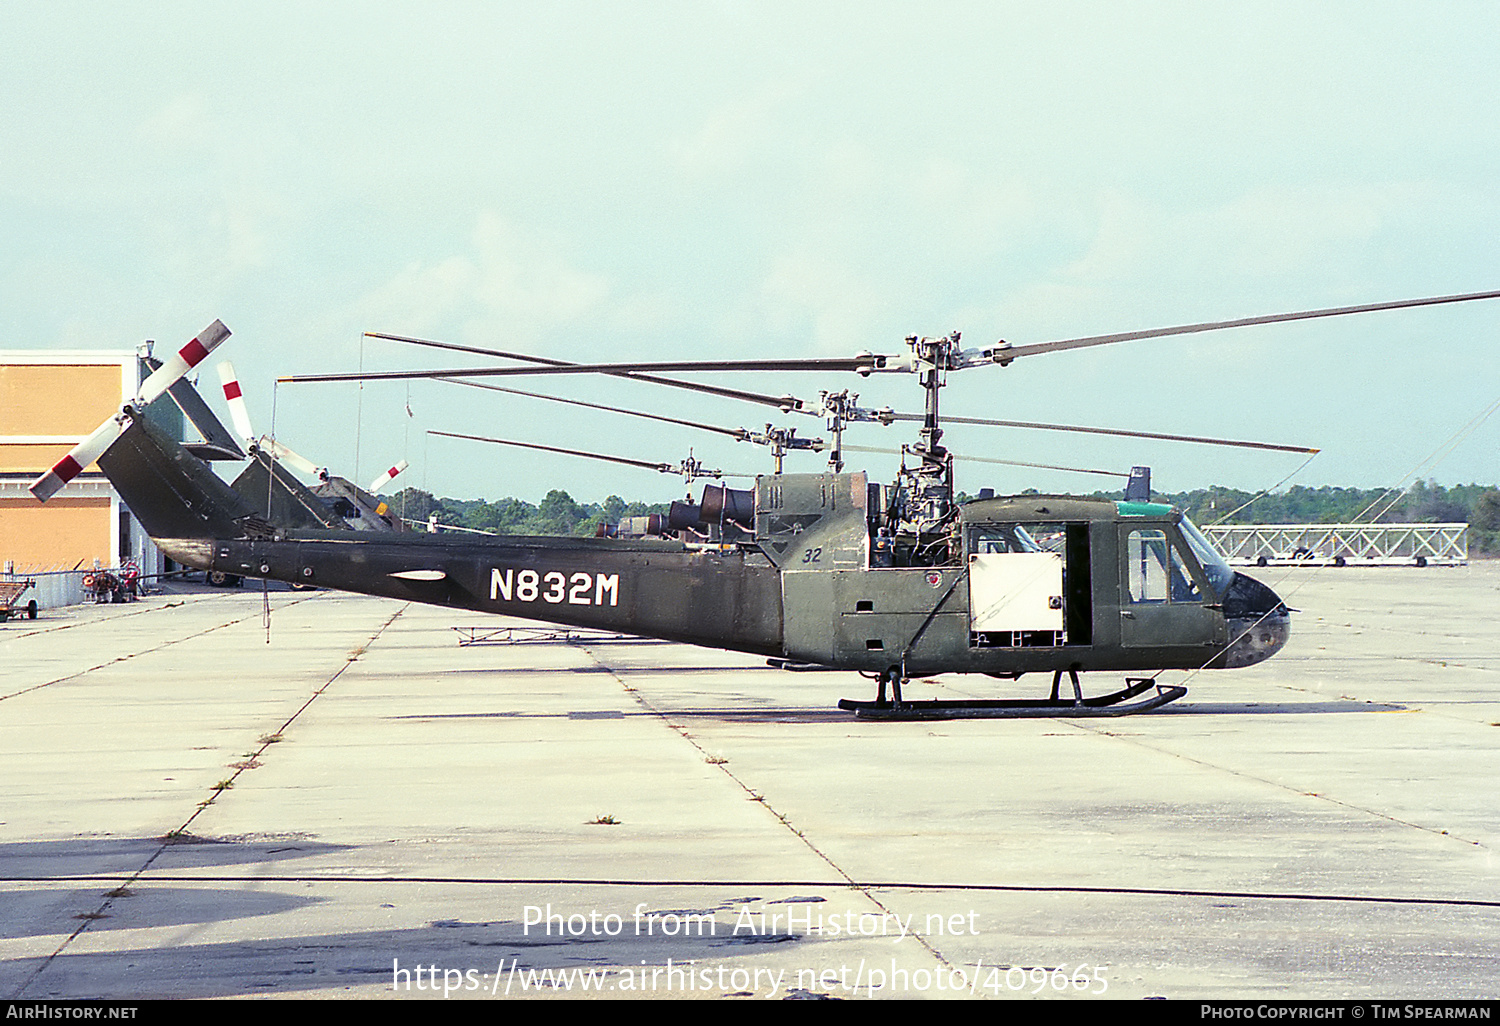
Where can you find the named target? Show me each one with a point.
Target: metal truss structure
(1342, 544)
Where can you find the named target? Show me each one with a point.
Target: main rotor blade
(737, 433)
(664, 468)
(785, 403)
(1119, 432)
(690, 469)
(1187, 329)
(858, 364)
(993, 459)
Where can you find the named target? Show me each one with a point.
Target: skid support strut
(1077, 688)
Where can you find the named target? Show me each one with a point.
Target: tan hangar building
(50, 400)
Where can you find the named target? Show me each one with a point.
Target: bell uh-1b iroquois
(828, 569)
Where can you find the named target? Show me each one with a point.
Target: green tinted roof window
(1143, 509)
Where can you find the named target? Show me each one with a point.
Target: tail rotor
(163, 378)
(239, 415)
(386, 478)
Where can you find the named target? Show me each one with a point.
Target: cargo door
(1016, 599)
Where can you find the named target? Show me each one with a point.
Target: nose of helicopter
(1259, 622)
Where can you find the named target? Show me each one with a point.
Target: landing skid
(797, 667)
(1020, 708)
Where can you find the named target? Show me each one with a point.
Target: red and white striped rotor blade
(290, 457)
(84, 453)
(386, 478)
(184, 360)
(239, 414)
(163, 378)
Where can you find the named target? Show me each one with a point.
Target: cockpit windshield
(1218, 571)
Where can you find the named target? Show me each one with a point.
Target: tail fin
(269, 488)
(363, 511)
(171, 492)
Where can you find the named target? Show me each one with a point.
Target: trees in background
(557, 514)
(1424, 502)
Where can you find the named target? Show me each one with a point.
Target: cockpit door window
(1156, 571)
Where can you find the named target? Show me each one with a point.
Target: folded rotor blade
(161, 379)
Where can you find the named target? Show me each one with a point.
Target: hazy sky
(613, 181)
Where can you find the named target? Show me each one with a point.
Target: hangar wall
(49, 402)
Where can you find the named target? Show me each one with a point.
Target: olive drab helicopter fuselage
(824, 570)
(1028, 584)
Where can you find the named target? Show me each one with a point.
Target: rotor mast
(931, 485)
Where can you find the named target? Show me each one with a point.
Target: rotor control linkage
(782, 441)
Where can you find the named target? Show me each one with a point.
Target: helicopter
(825, 569)
(333, 502)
